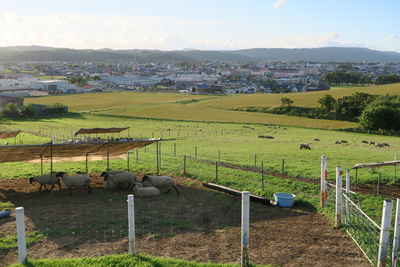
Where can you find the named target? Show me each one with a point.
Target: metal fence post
(245, 228)
(396, 236)
(255, 162)
(347, 194)
(338, 201)
(283, 166)
(184, 164)
(20, 217)
(324, 177)
(131, 224)
(385, 232)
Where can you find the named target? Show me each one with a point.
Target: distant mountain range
(323, 54)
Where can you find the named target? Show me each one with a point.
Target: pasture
(199, 225)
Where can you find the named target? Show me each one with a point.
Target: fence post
(245, 228)
(174, 149)
(396, 236)
(131, 224)
(283, 166)
(19, 214)
(385, 232)
(379, 184)
(324, 177)
(255, 162)
(216, 171)
(184, 164)
(195, 152)
(262, 176)
(338, 201)
(347, 194)
(219, 156)
(137, 156)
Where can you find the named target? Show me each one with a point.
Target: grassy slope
(118, 261)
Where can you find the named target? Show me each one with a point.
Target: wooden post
(395, 168)
(108, 156)
(396, 236)
(379, 184)
(184, 164)
(357, 177)
(262, 176)
(51, 159)
(347, 194)
(219, 156)
(255, 162)
(137, 156)
(385, 232)
(216, 170)
(20, 218)
(157, 157)
(283, 166)
(87, 167)
(324, 181)
(131, 225)
(160, 157)
(245, 236)
(127, 161)
(41, 164)
(338, 205)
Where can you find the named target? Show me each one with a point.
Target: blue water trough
(284, 199)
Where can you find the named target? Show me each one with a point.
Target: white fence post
(131, 223)
(347, 194)
(245, 228)
(396, 235)
(324, 181)
(19, 214)
(338, 201)
(385, 232)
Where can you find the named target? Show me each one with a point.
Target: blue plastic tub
(284, 199)
(4, 214)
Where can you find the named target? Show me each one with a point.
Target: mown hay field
(306, 99)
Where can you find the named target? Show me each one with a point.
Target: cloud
(278, 3)
(391, 37)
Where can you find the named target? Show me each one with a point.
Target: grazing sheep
(316, 139)
(45, 179)
(305, 146)
(386, 144)
(114, 179)
(163, 183)
(140, 191)
(344, 142)
(78, 180)
(372, 142)
(364, 141)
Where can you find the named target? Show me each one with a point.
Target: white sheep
(114, 179)
(73, 181)
(163, 183)
(46, 179)
(140, 191)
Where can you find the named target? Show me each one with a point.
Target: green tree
(286, 102)
(11, 110)
(29, 111)
(382, 114)
(327, 102)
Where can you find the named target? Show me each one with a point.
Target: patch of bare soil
(198, 225)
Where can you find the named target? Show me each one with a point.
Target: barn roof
(9, 134)
(31, 152)
(376, 164)
(100, 130)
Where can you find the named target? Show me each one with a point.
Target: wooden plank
(239, 193)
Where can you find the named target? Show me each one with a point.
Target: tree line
(341, 77)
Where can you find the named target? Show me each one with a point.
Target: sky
(201, 24)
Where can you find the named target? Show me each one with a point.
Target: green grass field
(119, 260)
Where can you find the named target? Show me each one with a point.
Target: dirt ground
(198, 225)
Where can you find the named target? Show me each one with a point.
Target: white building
(53, 85)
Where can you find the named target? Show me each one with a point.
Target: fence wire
(364, 231)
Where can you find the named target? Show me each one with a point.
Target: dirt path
(199, 225)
